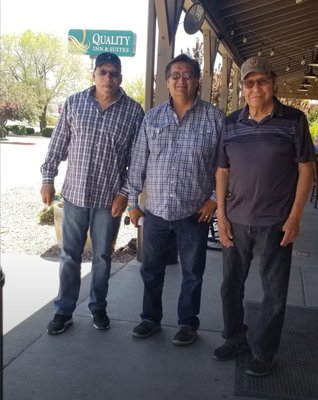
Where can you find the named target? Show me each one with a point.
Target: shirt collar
(92, 89)
(278, 110)
(197, 99)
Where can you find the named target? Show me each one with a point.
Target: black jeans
(275, 263)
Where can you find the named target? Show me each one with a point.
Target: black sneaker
(259, 367)
(58, 324)
(145, 329)
(100, 319)
(229, 350)
(185, 336)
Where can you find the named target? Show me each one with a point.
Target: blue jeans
(103, 229)
(191, 240)
(275, 264)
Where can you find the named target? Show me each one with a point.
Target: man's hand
(119, 205)
(134, 215)
(47, 193)
(291, 231)
(225, 232)
(207, 211)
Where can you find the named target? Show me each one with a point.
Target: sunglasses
(184, 75)
(111, 74)
(249, 83)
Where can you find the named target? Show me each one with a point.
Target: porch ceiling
(287, 28)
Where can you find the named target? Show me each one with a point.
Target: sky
(59, 16)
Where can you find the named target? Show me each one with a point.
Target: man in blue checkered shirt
(173, 159)
(94, 133)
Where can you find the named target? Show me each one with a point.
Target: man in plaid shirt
(94, 133)
(173, 157)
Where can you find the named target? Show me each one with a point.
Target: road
(21, 158)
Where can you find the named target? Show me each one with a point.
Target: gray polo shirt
(263, 159)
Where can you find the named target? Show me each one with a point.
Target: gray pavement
(84, 363)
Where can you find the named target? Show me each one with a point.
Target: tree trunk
(43, 122)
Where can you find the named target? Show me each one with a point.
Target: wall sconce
(303, 61)
(244, 40)
(272, 52)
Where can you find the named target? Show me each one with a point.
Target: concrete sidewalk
(84, 363)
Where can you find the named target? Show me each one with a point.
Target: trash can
(1, 332)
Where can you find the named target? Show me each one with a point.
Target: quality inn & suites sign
(91, 42)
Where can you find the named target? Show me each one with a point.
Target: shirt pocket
(120, 137)
(159, 139)
(204, 143)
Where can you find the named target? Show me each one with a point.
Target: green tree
(313, 114)
(136, 90)
(17, 102)
(42, 63)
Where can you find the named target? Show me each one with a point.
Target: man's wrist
(133, 207)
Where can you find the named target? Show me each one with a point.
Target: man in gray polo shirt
(264, 176)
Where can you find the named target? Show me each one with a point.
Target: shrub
(18, 129)
(15, 129)
(47, 132)
(8, 128)
(30, 131)
(46, 216)
(22, 130)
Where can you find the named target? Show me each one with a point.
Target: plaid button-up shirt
(97, 145)
(174, 159)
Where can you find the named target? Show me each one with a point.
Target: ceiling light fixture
(310, 74)
(305, 83)
(314, 62)
(302, 89)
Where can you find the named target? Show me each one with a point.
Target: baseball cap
(255, 64)
(108, 58)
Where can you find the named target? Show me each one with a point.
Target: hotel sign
(91, 42)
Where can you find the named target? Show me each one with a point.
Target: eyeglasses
(111, 74)
(249, 84)
(184, 75)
